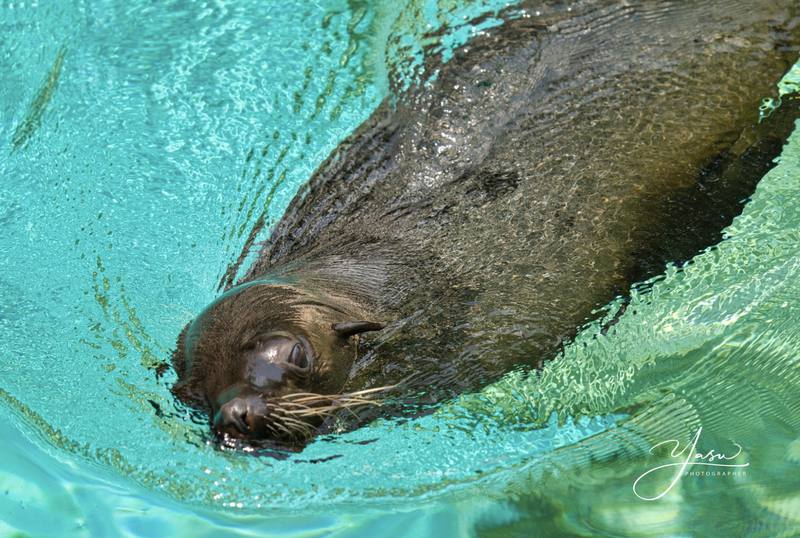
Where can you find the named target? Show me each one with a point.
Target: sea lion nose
(237, 416)
(232, 418)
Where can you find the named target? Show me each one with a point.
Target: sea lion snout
(274, 364)
(241, 416)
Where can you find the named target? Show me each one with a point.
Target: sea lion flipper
(349, 328)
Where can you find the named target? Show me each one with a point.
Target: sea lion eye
(279, 349)
(298, 356)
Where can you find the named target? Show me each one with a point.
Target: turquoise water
(139, 146)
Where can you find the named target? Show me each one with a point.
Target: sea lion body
(485, 216)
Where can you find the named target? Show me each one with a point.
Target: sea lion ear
(350, 328)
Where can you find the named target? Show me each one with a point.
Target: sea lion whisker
(299, 423)
(338, 397)
(350, 410)
(307, 400)
(289, 415)
(314, 397)
(313, 411)
(271, 428)
(288, 406)
(358, 401)
(300, 396)
(322, 411)
(371, 391)
(279, 425)
(300, 430)
(297, 395)
(328, 411)
(294, 412)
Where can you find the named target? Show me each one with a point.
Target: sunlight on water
(137, 159)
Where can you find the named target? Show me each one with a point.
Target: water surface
(139, 145)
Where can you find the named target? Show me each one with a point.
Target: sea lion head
(267, 360)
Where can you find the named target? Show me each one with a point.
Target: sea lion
(477, 221)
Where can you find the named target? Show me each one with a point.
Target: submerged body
(486, 216)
